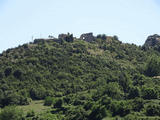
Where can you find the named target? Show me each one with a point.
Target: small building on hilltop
(88, 37)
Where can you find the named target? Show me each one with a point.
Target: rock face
(153, 40)
(87, 37)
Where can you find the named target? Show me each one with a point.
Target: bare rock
(153, 40)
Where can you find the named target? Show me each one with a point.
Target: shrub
(38, 93)
(8, 71)
(119, 108)
(134, 92)
(17, 74)
(11, 113)
(48, 101)
(58, 103)
(98, 113)
(153, 110)
(153, 66)
(113, 90)
(30, 113)
(149, 93)
(138, 104)
(115, 37)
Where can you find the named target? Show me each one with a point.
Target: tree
(134, 92)
(48, 101)
(8, 71)
(125, 81)
(58, 103)
(113, 90)
(115, 37)
(120, 108)
(153, 67)
(11, 113)
(102, 36)
(17, 74)
(98, 113)
(77, 113)
(30, 113)
(38, 93)
(153, 110)
(138, 104)
(149, 93)
(11, 98)
(69, 37)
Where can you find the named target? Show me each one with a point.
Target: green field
(37, 106)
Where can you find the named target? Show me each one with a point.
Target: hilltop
(86, 78)
(153, 40)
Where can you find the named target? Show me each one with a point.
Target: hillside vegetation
(81, 80)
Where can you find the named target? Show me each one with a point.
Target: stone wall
(87, 37)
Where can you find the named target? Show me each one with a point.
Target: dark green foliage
(8, 71)
(153, 110)
(125, 81)
(77, 114)
(134, 92)
(120, 108)
(102, 36)
(11, 113)
(113, 90)
(115, 37)
(69, 37)
(10, 98)
(30, 113)
(38, 93)
(153, 67)
(17, 74)
(149, 93)
(104, 78)
(138, 104)
(58, 103)
(48, 101)
(98, 112)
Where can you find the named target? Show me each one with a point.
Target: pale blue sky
(131, 20)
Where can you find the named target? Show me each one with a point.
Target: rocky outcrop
(152, 40)
(88, 37)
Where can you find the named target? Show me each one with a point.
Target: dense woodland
(103, 79)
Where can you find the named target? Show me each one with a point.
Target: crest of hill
(153, 40)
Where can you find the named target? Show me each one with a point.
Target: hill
(86, 78)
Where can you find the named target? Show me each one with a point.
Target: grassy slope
(36, 105)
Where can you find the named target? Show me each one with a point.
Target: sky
(131, 20)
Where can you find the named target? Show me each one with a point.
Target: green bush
(153, 67)
(30, 113)
(114, 91)
(8, 71)
(137, 104)
(48, 101)
(11, 113)
(17, 74)
(98, 113)
(120, 108)
(153, 110)
(134, 92)
(58, 103)
(149, 93)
